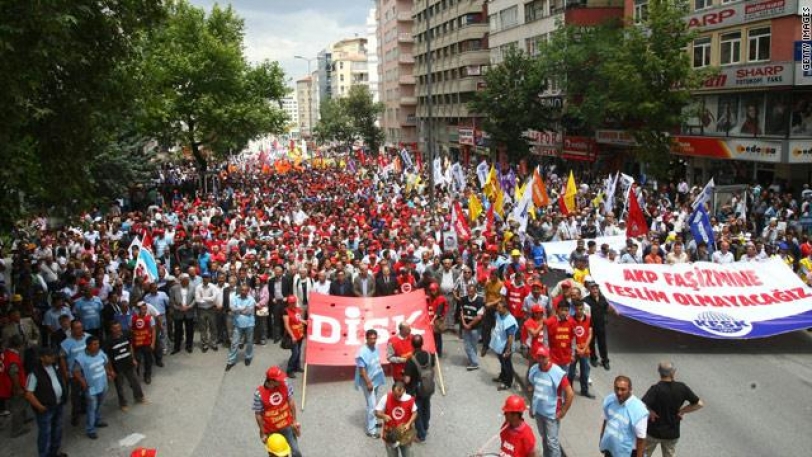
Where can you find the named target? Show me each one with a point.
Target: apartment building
(752, 120)
(396, 72)
(290, 105)
(348, 65)
(372, 54)
(303, 100)
(453, 36)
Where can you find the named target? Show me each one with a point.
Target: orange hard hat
(514, 404)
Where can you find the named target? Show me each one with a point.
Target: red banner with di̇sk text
(337, 325)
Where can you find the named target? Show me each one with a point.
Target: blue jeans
(506, 369)
(294, 361)
(548, 429)
(583, 364)
(94, 403)
(235, 344)
(370, 399)
(423, 417)
(287, 432)
(470, 340)
(49, 425)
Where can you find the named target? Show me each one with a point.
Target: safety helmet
(434, 287)
(514, 404)
(516, 253)
(275, 374)
(277, 445)
(291, 299)
(542, 351)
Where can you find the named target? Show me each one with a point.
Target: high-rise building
(372, 54)
(291, 107)
(315, 96)
(349, 65)
(325, 70)
(396, 72)
(452, 37)
(303, 99)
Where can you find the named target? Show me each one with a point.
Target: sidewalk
(581, 428)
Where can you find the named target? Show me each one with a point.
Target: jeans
(184, 327)
(222, 326)
(370, 399)
(506, 369)
(400, 451)
(581, 362)
(144, 356)
(77, 399)
(488, 321)
(669, 447)
(471, 340)
(287, 432)
(294, 362)
(93, 417)
(19, 412)
(49, 425)
(132, 379)
(235, 344)
(206, 323)
(548, 429)
(423, 417)
(260, 329)
(161, 340)
(599, 341)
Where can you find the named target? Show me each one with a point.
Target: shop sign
(803, 63)
(615, 137)
(544, 151)
(466, 135)
(548, 139)
(764, 75)
(728, 149)
(579, 145)
(727, 15)
(800, 152)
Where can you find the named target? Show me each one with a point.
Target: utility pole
(429, 104)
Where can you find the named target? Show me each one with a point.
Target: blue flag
(145, 265)
(701, 226)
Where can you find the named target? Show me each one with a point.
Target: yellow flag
(569, 194)
(474, 207)
(490, 184)
(519, 190)
(499, 202)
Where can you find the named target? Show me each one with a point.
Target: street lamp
(310, 90)
(429, 104)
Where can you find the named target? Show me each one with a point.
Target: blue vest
(539, 255)
(93, 371)
(89, 312)
(504, 327)
(72, 348)
(545, 390)
(618, 436)
(369, 359)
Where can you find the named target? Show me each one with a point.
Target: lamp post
(309, 91)
(429, 104)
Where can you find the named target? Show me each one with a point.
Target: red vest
(561, 336)
(402, 347)
(141, 328)
(515, 298)
(275, 408)
(581, 330)
(437, 306)
(399, 411)
(7, 359)
(295, 322)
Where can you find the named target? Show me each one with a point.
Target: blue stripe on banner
(715, 323)
(149, 263)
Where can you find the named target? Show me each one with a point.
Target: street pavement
(757, 395)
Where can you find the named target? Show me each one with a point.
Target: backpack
(425, 387)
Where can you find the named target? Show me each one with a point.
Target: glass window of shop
(760, 114)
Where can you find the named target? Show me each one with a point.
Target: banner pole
(440, 375)
(304, 387)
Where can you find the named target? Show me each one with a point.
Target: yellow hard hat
(277, 445)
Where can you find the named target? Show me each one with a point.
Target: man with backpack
(419, 379)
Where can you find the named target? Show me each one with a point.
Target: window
(534, 10)
(640, 11)
(702, 52)
(758, 44)
(731, 48)
(509, 17)
(702, 4)
(533, 44)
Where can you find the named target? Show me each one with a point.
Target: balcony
(407, 80)
(405, 17)
(408, 100)
(406, 60)
(409, 121)
(405, 38)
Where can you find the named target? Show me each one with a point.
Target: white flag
(704, 196)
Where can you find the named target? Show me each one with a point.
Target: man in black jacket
(411, 377)
(599, 308)
(341, 286)
(386, 282)
(46, 390)
(280, 285)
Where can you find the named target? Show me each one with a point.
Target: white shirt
(722, 258)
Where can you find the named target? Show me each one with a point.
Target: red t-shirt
(581, 329)
(517, 442)
(561, 334)
(515, 298)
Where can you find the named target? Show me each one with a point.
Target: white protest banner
(558, 252)
(733, 301)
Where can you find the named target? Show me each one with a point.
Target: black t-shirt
(118, 351)
(412, 372)
(666, 398)
(469, 308)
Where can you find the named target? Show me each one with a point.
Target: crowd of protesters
(248, 254)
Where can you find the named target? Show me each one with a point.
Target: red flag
(146, 240)
(459, 221)
(489, 220)
(418, 160)
(635, 221)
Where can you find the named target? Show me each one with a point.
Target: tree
(364, 113)
(334, 123)
(62, 92)
(510, 102)
(640, 78)
(199, 89)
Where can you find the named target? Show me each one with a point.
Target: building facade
(290, 105)
(372, 54)
(303, 100)
(396, 72)
(452, 37)
(752, 120)
(349, 65)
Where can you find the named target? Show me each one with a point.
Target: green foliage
(510, 102)
(344, 120)
(198, 88)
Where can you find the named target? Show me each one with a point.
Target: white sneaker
(590, 381)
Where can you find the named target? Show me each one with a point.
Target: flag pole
(304, 386)
(440, 375)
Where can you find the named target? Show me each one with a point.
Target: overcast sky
(281, 29)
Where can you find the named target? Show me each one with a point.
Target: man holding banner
(369, 377)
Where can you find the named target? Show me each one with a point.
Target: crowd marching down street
(108, 299)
